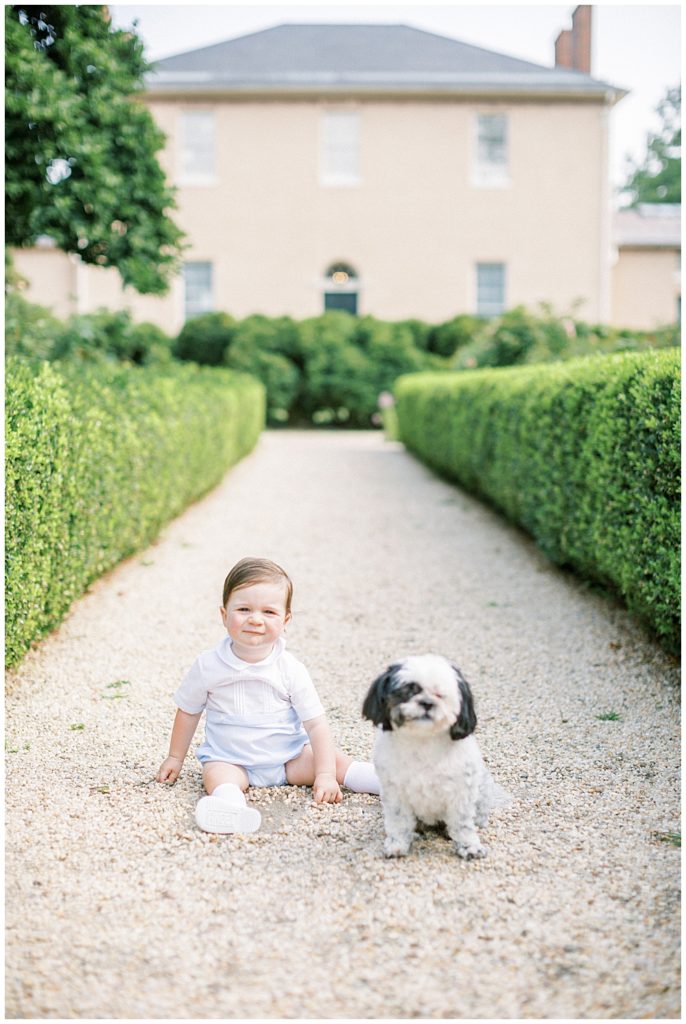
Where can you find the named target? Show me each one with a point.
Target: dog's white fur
(426, 756)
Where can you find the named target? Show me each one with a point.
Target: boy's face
(255, 617)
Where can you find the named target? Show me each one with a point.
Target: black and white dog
(426, 756)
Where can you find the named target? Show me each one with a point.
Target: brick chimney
(573, 46)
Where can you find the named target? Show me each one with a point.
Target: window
(490, 289)
(197, 152)
(340, 156)
(491, 164)
(197, 289)
(340, 288)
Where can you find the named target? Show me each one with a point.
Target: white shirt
(220, 681)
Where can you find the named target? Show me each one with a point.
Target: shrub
(269, 349)
(584, 455)
(390, 351)
(336, 383)
(98, 458)
(348, 362)
(587, 339)
(326, 370)
(150, 344)
(204, 339)
(280, 335)
(34, 333)
(30, 330)
(107, 336)
(92, 336)
(522, 337)
(445, 339)
(513, 338)
(419, 330)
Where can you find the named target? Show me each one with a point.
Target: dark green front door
(341, 300)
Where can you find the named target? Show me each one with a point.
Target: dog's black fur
(380, 700)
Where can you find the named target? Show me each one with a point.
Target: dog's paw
(470, 851)
(396, 847)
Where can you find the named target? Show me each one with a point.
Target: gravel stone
(119, 907)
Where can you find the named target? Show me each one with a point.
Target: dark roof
(362, 58)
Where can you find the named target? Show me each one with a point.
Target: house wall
(50, 277)
(646, 287)
(415, 225)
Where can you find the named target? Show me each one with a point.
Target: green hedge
(584, 455)
(98, 459)
(104, 336)
(328, 370)
(522, 337)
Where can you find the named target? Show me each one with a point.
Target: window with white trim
(340, 148)
(490, 289)
(491, 150)
(197, 156)
(197, 289)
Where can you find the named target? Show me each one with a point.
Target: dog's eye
(409, 690)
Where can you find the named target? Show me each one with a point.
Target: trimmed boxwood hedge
(584, 455)
(98, 459)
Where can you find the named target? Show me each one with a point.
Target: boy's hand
(326, 790)
(170, 769)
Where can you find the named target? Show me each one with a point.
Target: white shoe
(213, 814)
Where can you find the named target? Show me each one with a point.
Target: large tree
(658, 178)
(81, 148)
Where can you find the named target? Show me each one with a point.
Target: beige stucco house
(646, 272)
(376, 168)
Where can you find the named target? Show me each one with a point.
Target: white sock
(230, 792)
(361, 777)
(225, 811)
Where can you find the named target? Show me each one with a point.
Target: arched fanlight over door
(341, 285)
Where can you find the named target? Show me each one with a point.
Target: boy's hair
(256, 570)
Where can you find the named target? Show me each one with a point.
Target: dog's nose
(426, 704)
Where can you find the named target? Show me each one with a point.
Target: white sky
(635, 46)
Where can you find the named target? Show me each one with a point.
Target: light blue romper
(262, 743)
(253, 712)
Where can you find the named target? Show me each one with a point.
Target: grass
(673, 838)
(116, 685)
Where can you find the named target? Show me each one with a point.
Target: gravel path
(118, 907)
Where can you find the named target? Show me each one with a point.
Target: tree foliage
(81, 149)
(658, 178)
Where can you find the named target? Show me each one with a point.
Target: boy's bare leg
(216, 773)
(300, 771)
(362, 777)
(224, 809)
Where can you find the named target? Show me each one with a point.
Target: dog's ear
(375, 706)
(466, 720)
